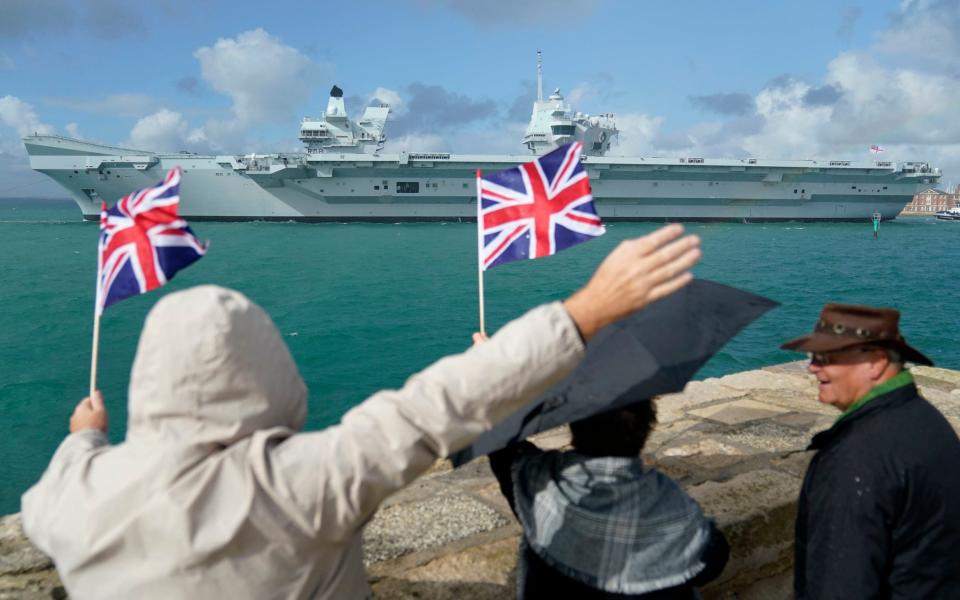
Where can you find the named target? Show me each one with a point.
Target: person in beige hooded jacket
(215, 494)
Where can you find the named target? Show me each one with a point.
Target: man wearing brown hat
(879, 512)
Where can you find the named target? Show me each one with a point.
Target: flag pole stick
(93, 358)
(480, 255)
(96, 305)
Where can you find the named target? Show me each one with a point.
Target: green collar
(899, 380)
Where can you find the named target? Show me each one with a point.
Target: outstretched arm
(340, 475)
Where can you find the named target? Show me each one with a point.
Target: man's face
(845, 375)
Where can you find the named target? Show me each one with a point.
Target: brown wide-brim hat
(844, 326)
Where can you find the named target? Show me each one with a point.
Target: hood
(211, 368)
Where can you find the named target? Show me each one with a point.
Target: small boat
(951, 214)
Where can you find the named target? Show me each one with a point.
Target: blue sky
(684, 78)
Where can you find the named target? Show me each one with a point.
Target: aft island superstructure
(343, 175)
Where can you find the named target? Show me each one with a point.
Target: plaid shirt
(604, 521)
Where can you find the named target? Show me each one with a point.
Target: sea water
(362, 306)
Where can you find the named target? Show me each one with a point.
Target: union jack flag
(143, 242)
(877, 149)
(535, 209)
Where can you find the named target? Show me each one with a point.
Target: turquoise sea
(364, 305)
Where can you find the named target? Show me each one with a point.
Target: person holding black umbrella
(598, 523)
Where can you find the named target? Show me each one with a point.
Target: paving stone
(947, 376)
(25, 572)
(747, 495)
(795, 400)
(793, 463)
(756, 511)
(17, 554)
(795, 368)
(663, 433)
(482, 572)
(808, 423)
(475, 473)
(492, 495)
(36, 585)
(672, 407)
(681, 468)
(708, 467)
(946, 403)
(801, 420)
(768, 436)
(766, 380)
(553, 439)
(416, 526)
(738, 411)
(688, 446)
(420, 489)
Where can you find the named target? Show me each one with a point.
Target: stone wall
(735, 443)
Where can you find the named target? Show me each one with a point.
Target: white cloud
(6, 62)
(899, 105)
(925, 31)
(17, 119)
(790, 125)
(266, 80)
(576, 96)
(912, 113)
(19, 115)
(418, 142)
(73, 130)
(388, 96)
(901, 93)
(163, 131)
(637, 133)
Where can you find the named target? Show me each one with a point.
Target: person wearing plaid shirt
(598, 524)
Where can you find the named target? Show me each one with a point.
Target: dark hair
(619, 432)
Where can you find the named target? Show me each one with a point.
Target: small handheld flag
(143, 243)
(536, 209)
(533, 210)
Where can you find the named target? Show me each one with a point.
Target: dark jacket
(538, 579)
(879, 512)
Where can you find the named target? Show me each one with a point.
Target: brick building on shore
(932, 201)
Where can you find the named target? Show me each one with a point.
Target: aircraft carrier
(344, 175)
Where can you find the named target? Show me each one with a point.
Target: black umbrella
(654, 351)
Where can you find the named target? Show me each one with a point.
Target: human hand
(636, 273)
(479, 338)
(90, 413)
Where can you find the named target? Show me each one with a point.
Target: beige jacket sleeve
(337, 477)
(74, 452)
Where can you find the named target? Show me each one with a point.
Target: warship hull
(441, 187)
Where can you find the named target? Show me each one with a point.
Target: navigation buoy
(877, 217)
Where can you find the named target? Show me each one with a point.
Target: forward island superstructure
(343, 175)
